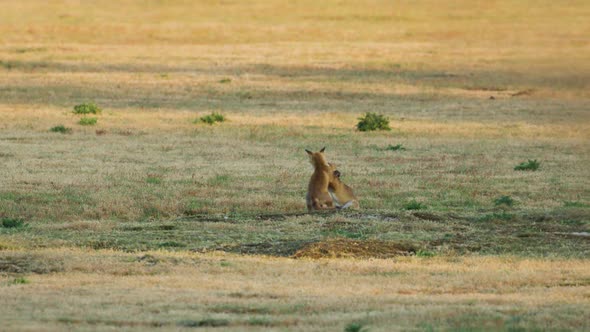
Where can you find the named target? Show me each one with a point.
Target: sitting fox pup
(318, 197)
(341, 193)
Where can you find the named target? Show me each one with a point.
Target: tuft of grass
(504, 200)
(225, 80)
(212, 118)
(20, 281)
(397, 147)
(355, 327)
(88, 121)
(12, 223)
(87, 108)
(206, 322)
(61, 129)
(414, 205)
(373, 121)
(530, 165)
(153, 180)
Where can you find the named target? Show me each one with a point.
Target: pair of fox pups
(325, 190)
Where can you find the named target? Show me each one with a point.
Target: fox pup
(318, 197)
(341, 193)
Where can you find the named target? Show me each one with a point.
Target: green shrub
(89, 108)
(414, 205)
(87, 121)
(61, 129)
(355, 327)
(504, 200)
(20, 281)
(373, 121)
(397, 147)
(212, 118)
(12, 223)
(530, 165)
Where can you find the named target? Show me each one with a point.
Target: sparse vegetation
(136, 224)
(20, 281)
(61, 129)
(212, 118)
(504, 200)
(87, 108)
(530, 165)
(355, 327)
(373, 121)
(414, 205)
(397, 147)
(88, 121)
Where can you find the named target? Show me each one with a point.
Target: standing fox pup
(341, 193)
(318, 197)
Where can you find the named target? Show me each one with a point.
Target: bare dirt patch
(347, 248)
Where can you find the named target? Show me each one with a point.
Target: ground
(152, 219)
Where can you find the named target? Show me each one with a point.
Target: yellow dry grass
(105, 289)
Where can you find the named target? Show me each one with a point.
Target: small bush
(12, 223)
(530, 165)
(397, 147)
(373, 121)
(504, 200)
(20, 281)
(87, 121)
(61, 129)
(355, 327)
(212, 118)
(414, 205)
(89, 108)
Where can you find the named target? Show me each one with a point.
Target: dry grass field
(151, 219)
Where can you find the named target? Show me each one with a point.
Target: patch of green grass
(373, 121)
(495, 216)
(414, 205)
(20, 281)
(87, 108)
(530, 165)
(206, 322)
(88, 121)
(225, 80)
(219, 180)
(153, 180)
(397, 147)
(259, 321)
(12, 223)
(355, 327)
(575, 204)
(212, 118)
(61, 129)
(504, 200)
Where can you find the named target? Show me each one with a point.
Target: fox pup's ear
(322, 150)
(308, 152)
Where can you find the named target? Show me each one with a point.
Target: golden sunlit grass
(103, 289)
(471, 89)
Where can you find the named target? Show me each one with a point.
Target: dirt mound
(339, 248)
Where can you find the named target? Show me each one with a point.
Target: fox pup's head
(318, 159)
(335, 173)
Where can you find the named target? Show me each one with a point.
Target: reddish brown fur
(318, 197)
(342, 193)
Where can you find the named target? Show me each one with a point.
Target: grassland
(152, 215)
